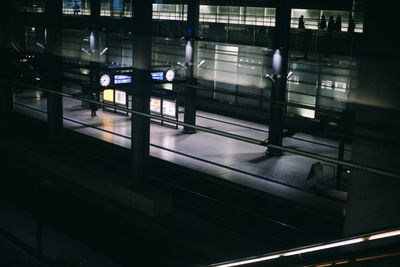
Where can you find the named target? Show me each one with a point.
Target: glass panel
(34, 6)
(76, 7)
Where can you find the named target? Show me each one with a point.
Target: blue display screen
(121, 79)
(159, 75)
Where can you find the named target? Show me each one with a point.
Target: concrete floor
(237, 161)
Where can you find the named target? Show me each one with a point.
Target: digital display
(159, 75)
(155, 105)
(108, 95)
(121, 79)
(169, 108)
(120, 97)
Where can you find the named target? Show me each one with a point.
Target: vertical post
(53, 58)
(39, 232)
(6, 98)
(339, 167)
(280, 66)
(142, 84)
(94, 48)
(191, 52)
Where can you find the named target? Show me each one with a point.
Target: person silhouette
(331, 24)
(352, 25)
(76, 8)
(301, 22)
(322, 23)
(338, 23)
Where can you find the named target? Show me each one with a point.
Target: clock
(169, 75)
(105, 80)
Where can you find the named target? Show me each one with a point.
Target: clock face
(105, 80)
(170, 75)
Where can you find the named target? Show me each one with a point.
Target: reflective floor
(240, 162)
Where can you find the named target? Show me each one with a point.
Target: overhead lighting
(238, 263)
(322, 247)
(201, 63)
(40, 45)
(384, 235)
(86, 52)
(181, 64)
(103, 51)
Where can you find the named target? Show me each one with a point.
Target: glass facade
(76, 7)
(312, 18)
(260, 16)
(116, 8)
(170, 12)
(31, 6)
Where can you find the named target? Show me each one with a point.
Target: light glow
(384, 235)
(108, 95)
(322, 247)
(238, 263)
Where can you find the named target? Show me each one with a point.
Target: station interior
(199, 133)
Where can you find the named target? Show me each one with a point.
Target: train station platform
(245, 164)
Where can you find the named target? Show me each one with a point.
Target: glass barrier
(76, 7)
(231, 75)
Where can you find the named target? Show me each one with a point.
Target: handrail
(225, 134)
(311, 248)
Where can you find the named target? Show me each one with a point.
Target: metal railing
(300, 251)
(225, 134)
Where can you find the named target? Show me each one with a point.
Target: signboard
(108, 95)
(120, 97)
(169, 108)
(122, 79)
(155, 105)
(158, 75)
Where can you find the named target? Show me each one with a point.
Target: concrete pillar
(280, 66)
(94, 49)
(54, 72)
(373, 200)
(191, 52)
(8, 70)
(142, 83)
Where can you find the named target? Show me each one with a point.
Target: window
(116, 8)
(76, 7)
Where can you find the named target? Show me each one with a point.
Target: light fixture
(86, 52)
(384, 235)
(201, 63)
(103, 51)
(238, 263)
(322, 247)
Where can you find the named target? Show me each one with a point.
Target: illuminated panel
(120, 97)
(108, 95)
(155, 105)
(159, 75)
(121, 79)
(169, 108)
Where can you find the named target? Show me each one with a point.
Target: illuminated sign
(121, 79)
(155, 105)
(159, 75)
(169, 108)
(120, 97)
(108, 95)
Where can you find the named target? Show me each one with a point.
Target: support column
(191, 53)
(94, 50)
(142, 83)
(53, 73)
(8, 73)
(280, 66)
